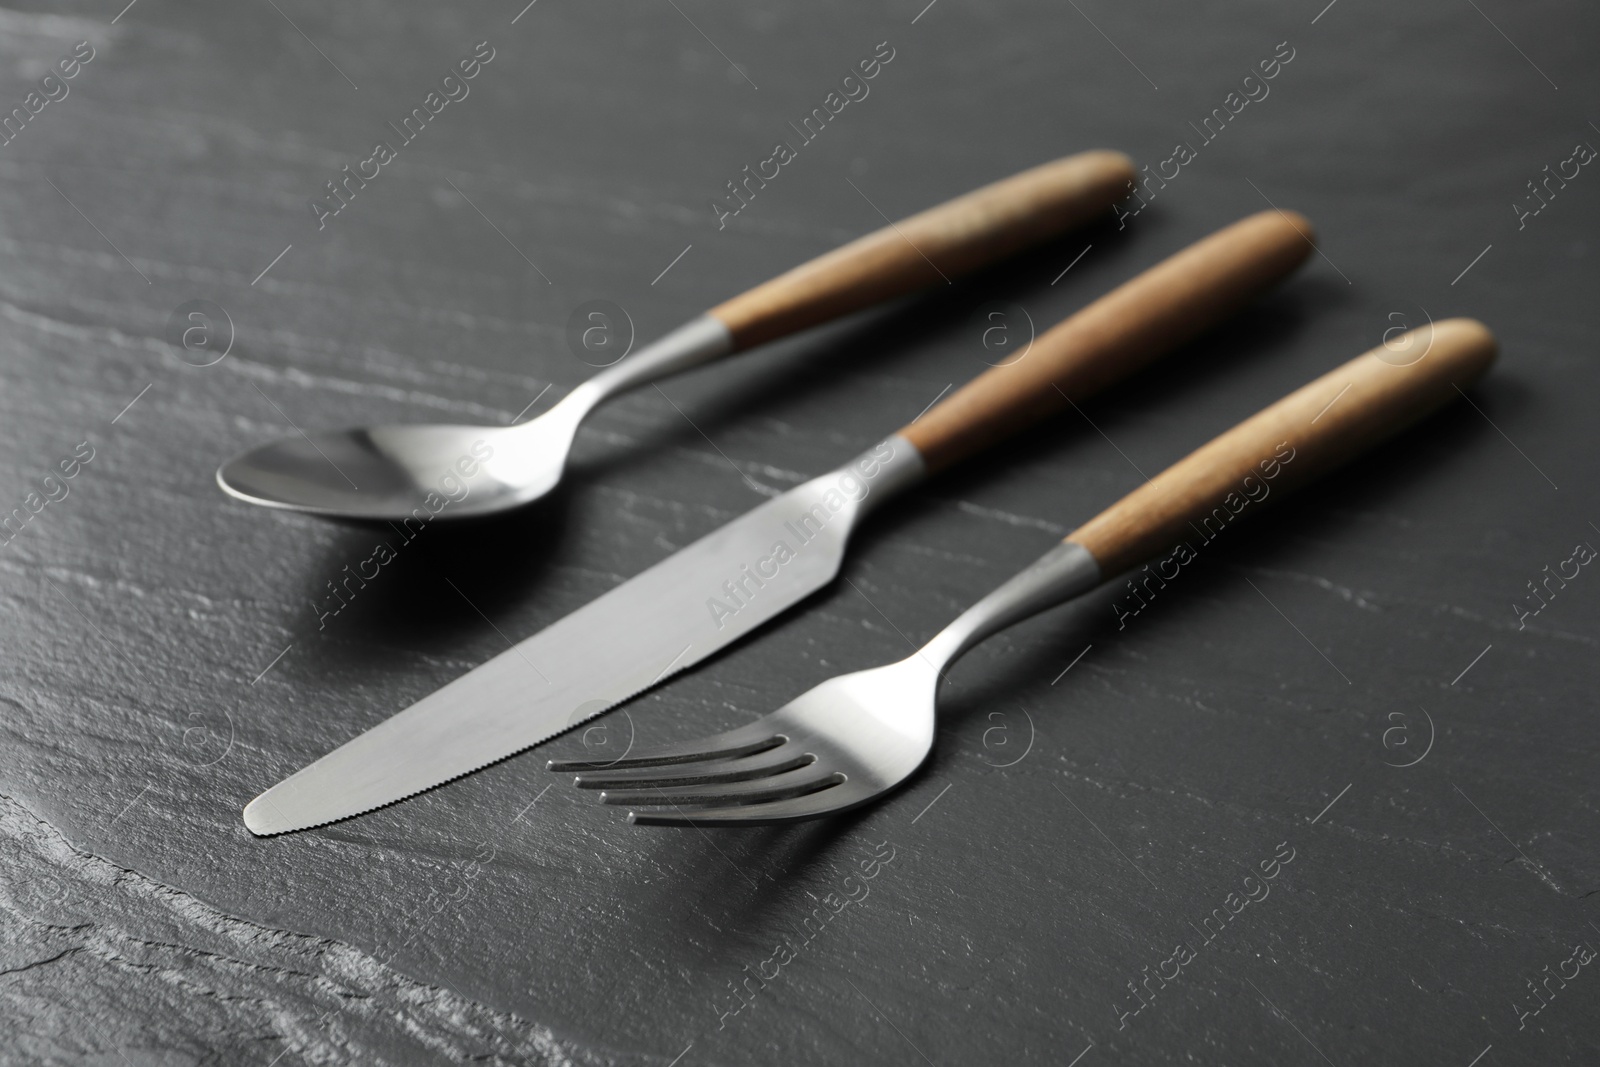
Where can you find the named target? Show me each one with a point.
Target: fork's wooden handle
(931, 248)
(1111, 338)
(1301, 437)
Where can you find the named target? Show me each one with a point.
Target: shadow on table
(754, 871)
(430, 588)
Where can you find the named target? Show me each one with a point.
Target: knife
(729, 582)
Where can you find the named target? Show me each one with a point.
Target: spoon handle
(931, 248)
(925, 250)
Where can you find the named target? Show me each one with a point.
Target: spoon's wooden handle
(1116, 335)
(1298, 439)
(931, 248)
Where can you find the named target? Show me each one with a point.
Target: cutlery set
(853, 738)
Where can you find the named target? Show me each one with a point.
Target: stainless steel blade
(678, 612)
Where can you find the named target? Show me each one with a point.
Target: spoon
(422, 472)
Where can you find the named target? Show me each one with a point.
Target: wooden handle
(1298, 439)
(1116, 335)
(931, 248)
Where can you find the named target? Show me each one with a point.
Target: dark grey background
(143, 924)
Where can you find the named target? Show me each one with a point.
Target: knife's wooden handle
(931, 248)
(1111, 338)
(1298, 439)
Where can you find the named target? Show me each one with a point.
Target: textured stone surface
(163, 661)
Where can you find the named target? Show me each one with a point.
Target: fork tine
(823, 802)
(763, 764)
(792, 783)
(744, 741)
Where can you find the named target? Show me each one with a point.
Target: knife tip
(262, 817)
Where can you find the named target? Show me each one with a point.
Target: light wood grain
(933, 247)
(1300, 438)
(1116, 335)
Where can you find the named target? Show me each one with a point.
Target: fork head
(835, 747)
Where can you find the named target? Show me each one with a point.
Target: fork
(855, 737)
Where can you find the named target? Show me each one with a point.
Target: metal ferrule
(895, 465)
(1066, 571)
(697, 341)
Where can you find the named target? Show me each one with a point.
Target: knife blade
(729, 582)
(673, 615)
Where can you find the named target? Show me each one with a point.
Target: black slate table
(1354, 693)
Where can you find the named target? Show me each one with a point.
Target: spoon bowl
(440, 471)
(399, 472)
